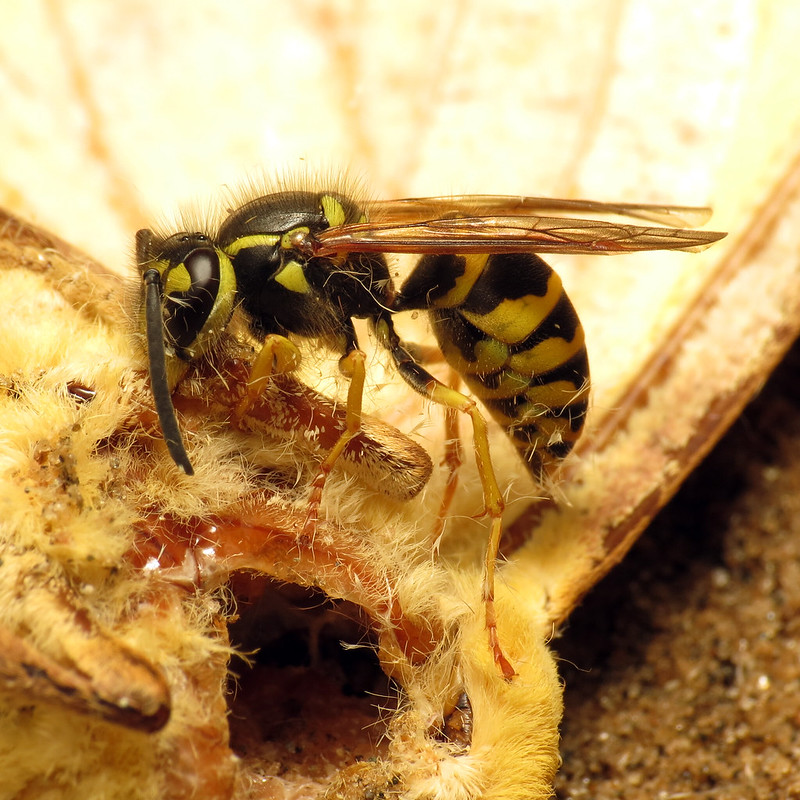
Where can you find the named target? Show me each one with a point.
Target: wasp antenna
(157, 360)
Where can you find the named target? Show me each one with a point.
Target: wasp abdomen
(504, 322)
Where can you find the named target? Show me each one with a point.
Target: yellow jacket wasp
(308, 263)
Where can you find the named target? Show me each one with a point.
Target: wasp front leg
(278, 355)
(427, 385)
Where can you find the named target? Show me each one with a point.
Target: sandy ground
(682, 668)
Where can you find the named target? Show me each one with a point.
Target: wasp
(307, 263)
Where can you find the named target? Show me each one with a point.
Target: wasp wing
(420, 209)
(508, 234)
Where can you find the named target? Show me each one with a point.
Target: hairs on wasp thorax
(307, 263)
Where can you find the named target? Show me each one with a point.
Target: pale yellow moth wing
(99, 526)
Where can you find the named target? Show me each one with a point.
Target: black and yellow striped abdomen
(504, 322)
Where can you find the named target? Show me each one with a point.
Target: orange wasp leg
(436, 391)
(278, 355)
(453, 458)
(352, 366)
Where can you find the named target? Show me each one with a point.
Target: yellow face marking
(223, 307)
(256, 240)
(513, 320)
(178, 279)
(220, 314)
(333, 210)
(293, 278)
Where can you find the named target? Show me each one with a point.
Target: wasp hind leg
(424, 383)
(452, 459)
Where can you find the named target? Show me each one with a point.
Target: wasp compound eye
(188, 310)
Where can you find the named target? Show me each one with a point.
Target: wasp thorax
(282, 286)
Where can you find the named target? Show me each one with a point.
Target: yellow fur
(69, 502)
